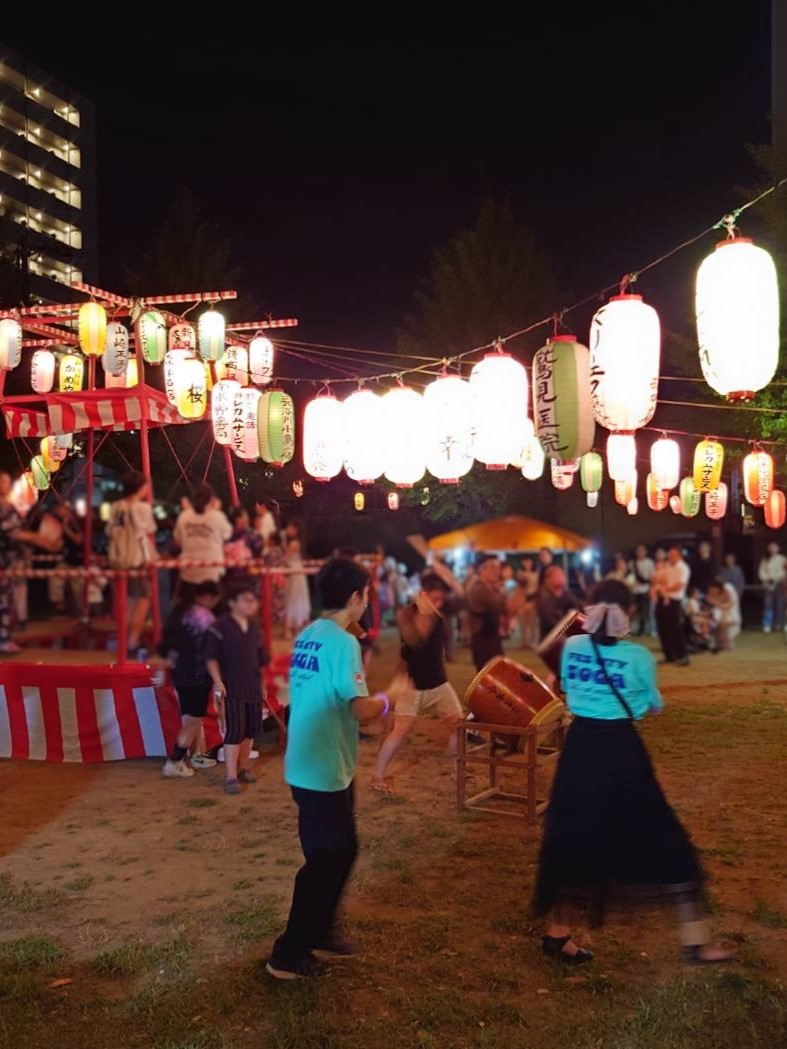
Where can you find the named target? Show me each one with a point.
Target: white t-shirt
(772, 570)
(266, 525)
(201, 537)
(643, 570)
(674, 579)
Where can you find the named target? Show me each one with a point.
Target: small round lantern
(42, 371)
(665, 462)
(234, 365)
(533, 459)
(625, 350)
(658, 498)
(10, 343)
(674, 504)
(71, 373)
(364, 453)
(449, 437)
(499, 399)
(39, 473)
(92, 328)
(592, 500)
(261, 356)
(690, 498)
(757, 477)
(244, 429)
(775, 509)
(737, 301)
(632, 507)
(222, 404)
(404, 425)
(626, 490)
(708, 461)
(621, 455)
(323, 437)
(359, 501)
(116, 354)
(151, 332)
(393, 500)
(562, 474)
(191, 387)
(562, 412)
(716, 502)
(211, 335)
(591, 471)
(276, 427)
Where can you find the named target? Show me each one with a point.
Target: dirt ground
(157, 898)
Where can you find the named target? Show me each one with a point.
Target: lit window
(38, 173)
(36, 130)
(36, 91)
(39, 216)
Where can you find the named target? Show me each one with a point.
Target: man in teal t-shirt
(328, 697)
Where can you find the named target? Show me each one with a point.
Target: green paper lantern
(276, 427)
(563, 414)
(591, 471)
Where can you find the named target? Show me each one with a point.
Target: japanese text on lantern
(545, 398)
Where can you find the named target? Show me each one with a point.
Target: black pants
(669, 622)
(485, 647)
(326, 827)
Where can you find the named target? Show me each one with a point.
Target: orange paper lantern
(775, 509)
(757, 477)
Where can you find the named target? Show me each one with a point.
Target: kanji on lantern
(562, 411)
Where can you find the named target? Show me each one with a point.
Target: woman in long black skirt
(610, 832)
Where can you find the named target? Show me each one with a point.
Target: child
(235, 657)
(182, 646)
(698, 618)
(422, 629)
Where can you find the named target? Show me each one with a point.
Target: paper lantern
(404, 425)
(116, 354)
(393, 500)
(127, 380)
(625, 352)
(261, 356)
(533, 459)
(276, 426)
(499, 401)
(151, 333)
(10, 343)
(71, 373)
(42, 371)
(621, 456)
(92, 328)
(24, 495)
(591, 471)
(359, 501)
(562, 412)
(297, 489)
(191, 387)
(52, 454)
(171, 362)
(716, 502)
(775, 509)
(757, 477)
(632, 507)
(592, 500)
(708, 461)
(737, 301)
(323, 437)
(245, 424)
(211, 335)
(690, 498)
(674, 504)
(665, 462)
(222, 401)
(657, 497)
(182, 336)
(562, 474)
(364, 453)
(39, 473)
(626, 490)
(449, 436)
(234, 365)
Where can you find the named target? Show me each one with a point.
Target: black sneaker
(306, 968)
(337, 944)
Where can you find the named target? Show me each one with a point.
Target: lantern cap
(563, 337)
(733, 240)
(626, 296)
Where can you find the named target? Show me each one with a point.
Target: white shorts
(441, 702)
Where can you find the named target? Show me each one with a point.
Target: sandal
(382, 788)
(694, 955)
(554, 947)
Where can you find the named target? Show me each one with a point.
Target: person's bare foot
(380, 786)
(709, 954)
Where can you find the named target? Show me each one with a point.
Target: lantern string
(725, 407)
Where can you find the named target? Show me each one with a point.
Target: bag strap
(608, 679)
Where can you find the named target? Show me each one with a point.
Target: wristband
(386, 700)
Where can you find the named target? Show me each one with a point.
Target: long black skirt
(610, 834)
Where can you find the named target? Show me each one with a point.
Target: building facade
(47, 181)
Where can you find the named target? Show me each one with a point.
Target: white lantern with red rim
(324, 437)
(533, 459)
(449, 436)
(757, 477)
(222, 401)
(625, 352)
(775, 509)
(244, 428)
(499, 399)
(403, 424)
(737, 302)
(210, 331)
(261, 357)
(171, 362)
(364, 452)
(621, 455)
(234, 365)
(708, 462)
(658, 498)
(42, 371)
(116, 353)
(10, 343)
(716, 502)
(190, 379)
(665, 462)
(182, 336)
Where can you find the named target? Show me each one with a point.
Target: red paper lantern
(658, 498)
(775, 509)
(716, 502)
(757, 477)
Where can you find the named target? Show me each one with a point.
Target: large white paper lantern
(499, 398)
(234, 365)
(665, 462)
(42, 371)
(92, 328)
(261, 356)
(116, 354)
(323, 437)
(403, 424)
(562, 411)
(10, 343)
(737, 301)
(449, 438)
(364, 451)
(625, 352)
(533, 459)
(182, 336)
(222, 402)
(171, 361)
(716, 502)
(621, 456)
(190, 377)
(245, 433)
(211, 329)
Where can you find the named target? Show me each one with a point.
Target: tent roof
(105, 409)
(511, 533)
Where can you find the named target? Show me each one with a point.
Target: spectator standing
(244, 544)
(733, 573)
(200, 534)
(10, 524)
(545, 559)
(486, 608)
(644, 567)
(702, 571)
(668, 589)
(264, 521)
(131, 534)
(771, 573)
(298, 604)
(72, 556)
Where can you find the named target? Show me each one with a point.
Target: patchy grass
(27, 900)
(201, 803)
(80, 884)
(134, 956)
(31, 952)
(770, 917)
(254, 920)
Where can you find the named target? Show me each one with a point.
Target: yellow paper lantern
(757, 477)
(359, 501)
(71, 373)
(10, 343)
(191, 387)
(708, 461)
(52, 456)
(92, 328)
(42, 371)
(626, 489)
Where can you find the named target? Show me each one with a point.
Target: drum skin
(506, 693)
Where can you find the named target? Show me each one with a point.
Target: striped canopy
(118, 409)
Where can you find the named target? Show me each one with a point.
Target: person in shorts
(235, 657)
(183, 647)
(427, 690)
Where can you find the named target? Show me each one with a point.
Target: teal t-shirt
(630, 667)
(326, 674)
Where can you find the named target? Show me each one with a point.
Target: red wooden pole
(234, 497)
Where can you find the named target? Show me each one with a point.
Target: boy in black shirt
(422, 629)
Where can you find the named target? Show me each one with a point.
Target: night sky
(337, 155)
